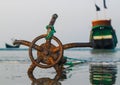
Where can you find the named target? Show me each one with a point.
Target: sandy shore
(14, 66)
(16, 74)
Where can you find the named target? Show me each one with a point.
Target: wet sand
(13, 74)
(14, 66)
(16, 74)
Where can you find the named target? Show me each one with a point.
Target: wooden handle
(53, 19)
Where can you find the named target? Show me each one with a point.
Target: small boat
(11, 46)
(102, 35)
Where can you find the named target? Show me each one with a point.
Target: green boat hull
(103, 35)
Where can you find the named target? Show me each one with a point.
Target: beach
(16, 74)
(14, 66)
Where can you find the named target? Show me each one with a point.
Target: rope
(52, 31)
(71, 63)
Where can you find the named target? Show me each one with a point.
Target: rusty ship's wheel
(46, 57)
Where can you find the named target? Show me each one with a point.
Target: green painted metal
(103, 32)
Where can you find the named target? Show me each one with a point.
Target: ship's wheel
(46, 57)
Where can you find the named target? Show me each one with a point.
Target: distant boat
(103, 35)
(11, 46)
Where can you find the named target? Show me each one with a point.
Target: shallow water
(15, 63)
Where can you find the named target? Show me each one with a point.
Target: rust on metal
(48, 54)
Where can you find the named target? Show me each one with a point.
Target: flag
(104, 3)
(97, 8)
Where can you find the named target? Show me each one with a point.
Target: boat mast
(98, 9)
(105, 8)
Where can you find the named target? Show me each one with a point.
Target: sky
(27, 19)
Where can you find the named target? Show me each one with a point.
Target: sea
(97, 67)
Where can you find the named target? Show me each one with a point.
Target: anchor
(50, 52)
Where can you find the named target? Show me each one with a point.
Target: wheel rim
(47, 65)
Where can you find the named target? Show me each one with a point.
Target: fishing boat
(102, 35)
(11, 46)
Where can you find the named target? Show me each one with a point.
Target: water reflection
(103, 73)
(47, 80)
(43, 80)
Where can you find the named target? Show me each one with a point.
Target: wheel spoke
(48, 58)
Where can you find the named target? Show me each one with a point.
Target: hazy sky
(27, 19)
